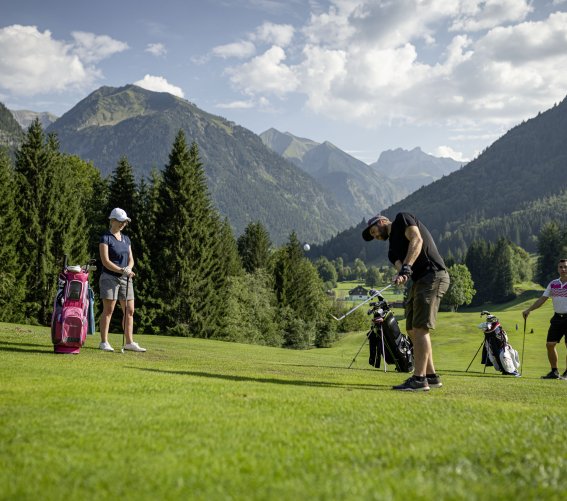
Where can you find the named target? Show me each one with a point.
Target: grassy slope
(198, 419)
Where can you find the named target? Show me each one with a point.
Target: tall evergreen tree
(479, 262)
(11, 288)
(44, 185)
(148, 303)
(192, 278)
(503, 276)
(254, 247)
(552, 246)
(228, 248)
(122, 188)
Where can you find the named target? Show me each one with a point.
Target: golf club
(523, 346)
(377, 293)
(124, 318)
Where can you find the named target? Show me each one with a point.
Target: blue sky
(449, 76)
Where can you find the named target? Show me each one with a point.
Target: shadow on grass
(249, 379)
(25, 347)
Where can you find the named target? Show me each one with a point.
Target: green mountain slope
(511, 190)
(247, 181)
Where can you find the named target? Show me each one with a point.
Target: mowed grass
(206, 420)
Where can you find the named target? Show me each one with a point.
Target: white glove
(127, 271)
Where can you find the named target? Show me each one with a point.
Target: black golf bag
(386, 340)
(497, 351)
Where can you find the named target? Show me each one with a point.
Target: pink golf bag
(73, 315)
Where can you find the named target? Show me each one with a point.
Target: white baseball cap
(119, 214)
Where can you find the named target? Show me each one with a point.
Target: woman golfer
(116, 280)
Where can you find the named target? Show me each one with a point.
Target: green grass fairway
(203, 420)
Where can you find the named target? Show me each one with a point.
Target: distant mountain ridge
(414, 168)
(247, 181)
(26, 117)
(11, 134)
(365, 189)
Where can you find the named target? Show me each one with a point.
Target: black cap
(371, 222)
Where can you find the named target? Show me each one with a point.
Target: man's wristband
(405, 270)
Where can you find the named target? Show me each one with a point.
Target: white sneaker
(105, 346)
(133, 347)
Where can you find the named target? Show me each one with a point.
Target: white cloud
(237, 105)
(33, 62)
(448, 152)
(265, 73)
(159, 84)
(93, 48)
(485, 14)
(274, 34)
(240, 50)
(470, 65)
(157, 49)
(261, 103)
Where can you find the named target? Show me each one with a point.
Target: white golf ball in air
(306, 247)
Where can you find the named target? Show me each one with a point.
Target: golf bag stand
(497, 350)
(386, 340)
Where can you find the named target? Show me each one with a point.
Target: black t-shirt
(429, 258)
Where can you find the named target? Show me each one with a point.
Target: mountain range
(26, 117)
(511, 190)
(248, 181)
(363, 189)
(289, 183)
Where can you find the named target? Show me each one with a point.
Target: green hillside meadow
(207, 420)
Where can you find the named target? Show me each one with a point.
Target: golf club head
(122, 350)
(337, 319)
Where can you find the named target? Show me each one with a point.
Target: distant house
(357, 293)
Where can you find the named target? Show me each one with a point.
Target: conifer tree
(552, 245)
(39, 187)
(148, 303)
(192, 278)
(11, 288)
(254, 247)
(229, 249)
(503, 277)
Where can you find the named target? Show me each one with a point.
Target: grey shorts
(112, 287)
(424, 298)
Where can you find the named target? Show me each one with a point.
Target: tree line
(193, 277)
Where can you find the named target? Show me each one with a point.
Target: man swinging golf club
(414, 254)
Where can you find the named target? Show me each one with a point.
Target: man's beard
(383, 231)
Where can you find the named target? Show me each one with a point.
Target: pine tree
(192, 278)
(551, 247)
(39, 180)
(300, 295)
(11, 288)
(503, 278)
(148, 304)
(254, 247)
(229, 249)
(122, 189)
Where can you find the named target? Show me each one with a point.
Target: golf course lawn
(206, 420)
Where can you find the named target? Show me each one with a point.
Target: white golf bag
(497, 350)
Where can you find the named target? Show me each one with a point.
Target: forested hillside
(511, 190)
(247, 181)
